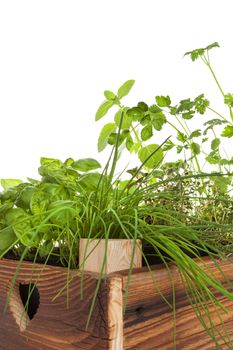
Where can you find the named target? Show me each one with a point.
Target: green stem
(114, 162)
(215, 78)
(219, 86)
(220, 115)
(136, 135)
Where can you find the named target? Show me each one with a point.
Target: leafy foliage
(177, 210)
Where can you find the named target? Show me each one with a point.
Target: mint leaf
(146, 133)
(109, 95)
(125, 88)
(126, 121)
(151, 155)
(103, 109)
(104, 135)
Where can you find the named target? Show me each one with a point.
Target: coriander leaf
(181, 137)
(157, 120)
(228, 100)
(163, 101)
(195, 133)
(201, 104)
(227, 131)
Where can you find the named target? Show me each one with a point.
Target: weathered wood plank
(147, 323)
(148, 320)
(55, 326)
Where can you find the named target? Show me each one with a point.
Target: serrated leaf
(228, 100)
(158, 120)
(151, 154)
(195, 54)
(8, 183)
(168, 145)
(125, 88)
(155, 109)
(86, 164)
(195, 133)
(227, 131)
(146, 133)
(104, 135)
(215, 143)
(187, 115)
(163, 101)
(185, 106)
(213, 158)
(179, 148)
(109, 95)
(135, 113)
(51, 163)
(103, 109)
(181, 137)
(211, 46)
(201, 104)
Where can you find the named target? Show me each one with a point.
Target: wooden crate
(146, 324)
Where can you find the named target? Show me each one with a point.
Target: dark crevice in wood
(30, 297)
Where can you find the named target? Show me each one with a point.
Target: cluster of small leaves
(197, 53)
(138, 125)
(36, 213)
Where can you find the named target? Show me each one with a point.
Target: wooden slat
(55, 326)
(148, 321)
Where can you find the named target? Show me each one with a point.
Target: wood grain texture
(118, 255)
(56, 325)
(147, 323)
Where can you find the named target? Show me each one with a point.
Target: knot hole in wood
(24, 300)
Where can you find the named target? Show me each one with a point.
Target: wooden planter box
(146, 324)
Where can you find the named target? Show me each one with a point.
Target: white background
(57, 58)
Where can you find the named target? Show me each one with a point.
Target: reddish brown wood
(56, 325)
(147, 323)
